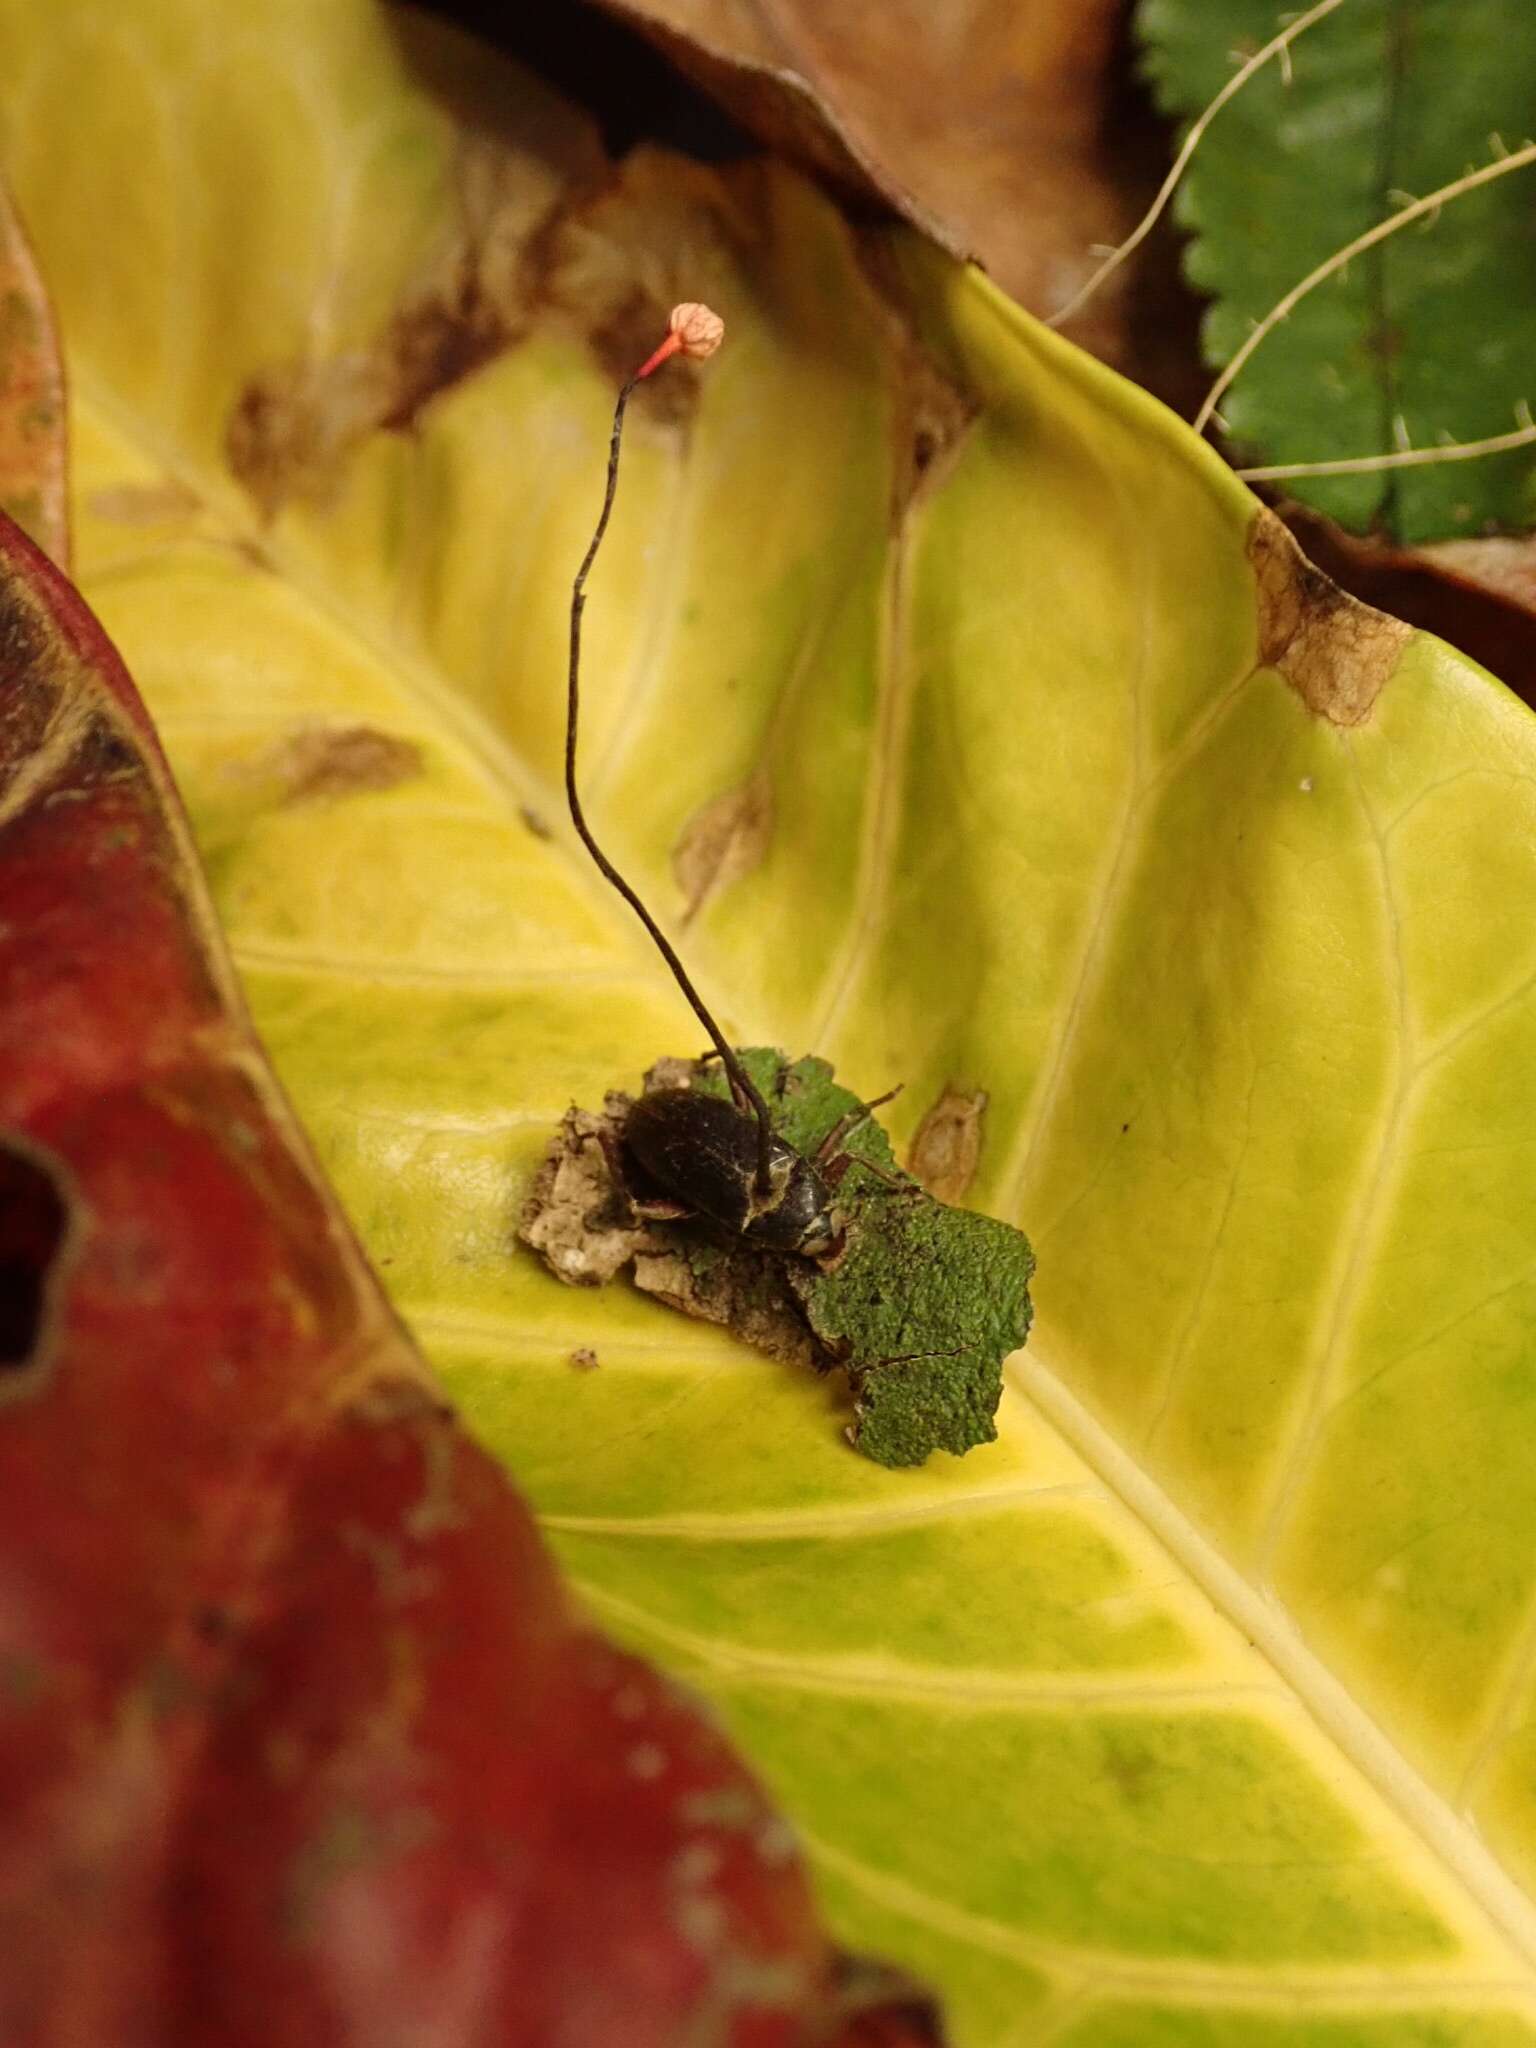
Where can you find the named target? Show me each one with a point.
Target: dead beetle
(703, 1151)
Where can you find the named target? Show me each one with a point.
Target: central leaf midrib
(1447, 1836)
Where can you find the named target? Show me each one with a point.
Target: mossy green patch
(924, 1302)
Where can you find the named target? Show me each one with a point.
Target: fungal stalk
(692, 331)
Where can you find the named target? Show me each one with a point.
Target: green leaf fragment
(926, 1302)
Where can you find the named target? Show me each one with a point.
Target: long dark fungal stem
(742, 1085)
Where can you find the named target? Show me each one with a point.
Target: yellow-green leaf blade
(1039, 827)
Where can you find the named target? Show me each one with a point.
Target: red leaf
(301, 1741)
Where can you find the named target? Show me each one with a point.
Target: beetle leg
(902, 1182)
(835, 1171)
(850, 1121)
(829, 1259)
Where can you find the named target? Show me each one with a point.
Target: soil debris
(583, 1224)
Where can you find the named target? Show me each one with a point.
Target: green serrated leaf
(1427, 338)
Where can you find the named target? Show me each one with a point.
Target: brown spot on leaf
(1480, 595)
(295, 424)
(616, 261)
(945, 1152)
(1131, 1767)
(34, 1221)
(104, 754)
(158, 504)
(384, 1402)
(932, 415)
(724, 840)
(293, 427)
(932, 411)
(1335, 652)
(334, 761)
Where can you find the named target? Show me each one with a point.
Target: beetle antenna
(695, 331)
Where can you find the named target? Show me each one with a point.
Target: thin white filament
(1410, 458)
(1279, 46)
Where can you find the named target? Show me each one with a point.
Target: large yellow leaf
(1196, 1709)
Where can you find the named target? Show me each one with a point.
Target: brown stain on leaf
(931, 411)
(932, 415)
(294, 425)
(347, 761)
(723, 841)
(1480, 595)
(1334, 651)
(946, 1148)
(158, 504)
(620, 255)
(322, 762)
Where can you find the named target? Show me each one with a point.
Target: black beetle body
(703, 1152)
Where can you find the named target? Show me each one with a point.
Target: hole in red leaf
(32, 1221)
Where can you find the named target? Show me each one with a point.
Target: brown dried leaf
(998, 129)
